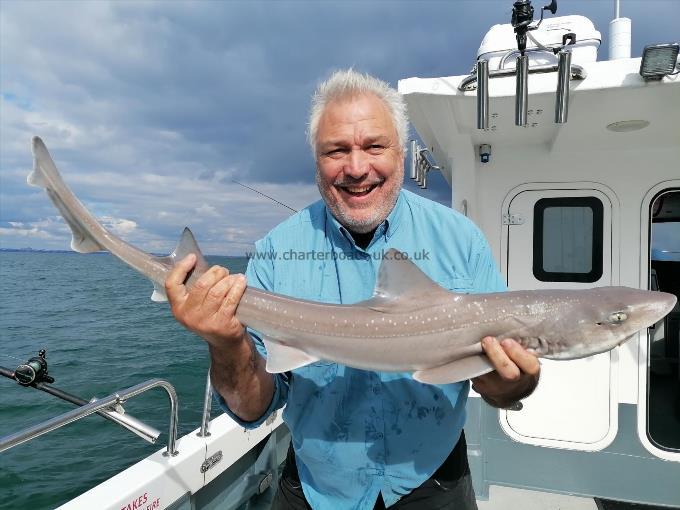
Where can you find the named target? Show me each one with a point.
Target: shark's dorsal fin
(187, 244)
(401, 286)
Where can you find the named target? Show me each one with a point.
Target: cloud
(119, 226)
(150, 109)
(49, 229)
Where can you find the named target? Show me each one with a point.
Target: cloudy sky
(151, 109)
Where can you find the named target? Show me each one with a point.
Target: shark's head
(603, 319)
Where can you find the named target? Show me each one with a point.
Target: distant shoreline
(34, 250)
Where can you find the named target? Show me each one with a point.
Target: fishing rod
(34, 374)
(264, 195)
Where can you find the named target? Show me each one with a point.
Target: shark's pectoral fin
(402, 286)
(159, 294)
(456, 371)
(282, 358)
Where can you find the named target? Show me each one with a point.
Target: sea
(102, 333)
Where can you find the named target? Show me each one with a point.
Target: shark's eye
(617, 317)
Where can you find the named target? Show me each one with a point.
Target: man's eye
(376, 147)
(335, 152)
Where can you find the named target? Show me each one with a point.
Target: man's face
(360, 165)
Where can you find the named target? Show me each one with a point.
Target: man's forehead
(366, 137)
(365, 112)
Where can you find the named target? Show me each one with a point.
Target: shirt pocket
(459, 283)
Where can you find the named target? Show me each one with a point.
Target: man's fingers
(217, 292)
(233, 297)
(526, 361)
(505, 366)
(201, 287)
(174, 282)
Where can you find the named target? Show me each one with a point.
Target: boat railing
(470, 82)
(107, 406)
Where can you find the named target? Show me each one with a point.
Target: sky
(152, 109)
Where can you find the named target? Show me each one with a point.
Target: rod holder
(563, 77)
(522, 90)
(423, 179)
(421, 164)
(482, 94)
(413, 153)
(207, 404)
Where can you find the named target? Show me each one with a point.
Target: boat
(570, 165)
(575, 183)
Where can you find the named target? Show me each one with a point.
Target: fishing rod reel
(523, 17)
(33, 371)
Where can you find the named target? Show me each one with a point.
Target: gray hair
(347, 83)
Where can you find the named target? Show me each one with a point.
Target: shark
(410, 324)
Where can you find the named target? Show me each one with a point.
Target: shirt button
(380, 435)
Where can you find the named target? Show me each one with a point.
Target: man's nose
(357, 165)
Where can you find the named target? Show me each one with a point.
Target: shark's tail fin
(187, 244)
(46, 175)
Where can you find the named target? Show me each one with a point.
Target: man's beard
(365, 224)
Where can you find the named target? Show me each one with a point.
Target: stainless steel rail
(470, 82)
(99, 405)
(146, 432)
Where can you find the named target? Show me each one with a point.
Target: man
(361, 439)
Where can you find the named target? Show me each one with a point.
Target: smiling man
(360, 167)
(360, 439)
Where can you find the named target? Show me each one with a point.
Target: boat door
(659, 357)
(562, 238)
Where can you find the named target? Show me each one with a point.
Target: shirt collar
(387, 228)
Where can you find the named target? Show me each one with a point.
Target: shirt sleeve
(487, 277)
(260, 274)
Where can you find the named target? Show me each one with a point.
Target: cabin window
(663, 375)
(568, 239)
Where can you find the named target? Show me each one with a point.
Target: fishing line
(13, 357)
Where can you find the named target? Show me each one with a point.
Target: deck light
(658, 60)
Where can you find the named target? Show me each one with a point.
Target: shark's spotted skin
(410, 323)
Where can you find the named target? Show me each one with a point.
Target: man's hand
(208, 308)
(516, 375)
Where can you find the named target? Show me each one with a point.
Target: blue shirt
(357, 433)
